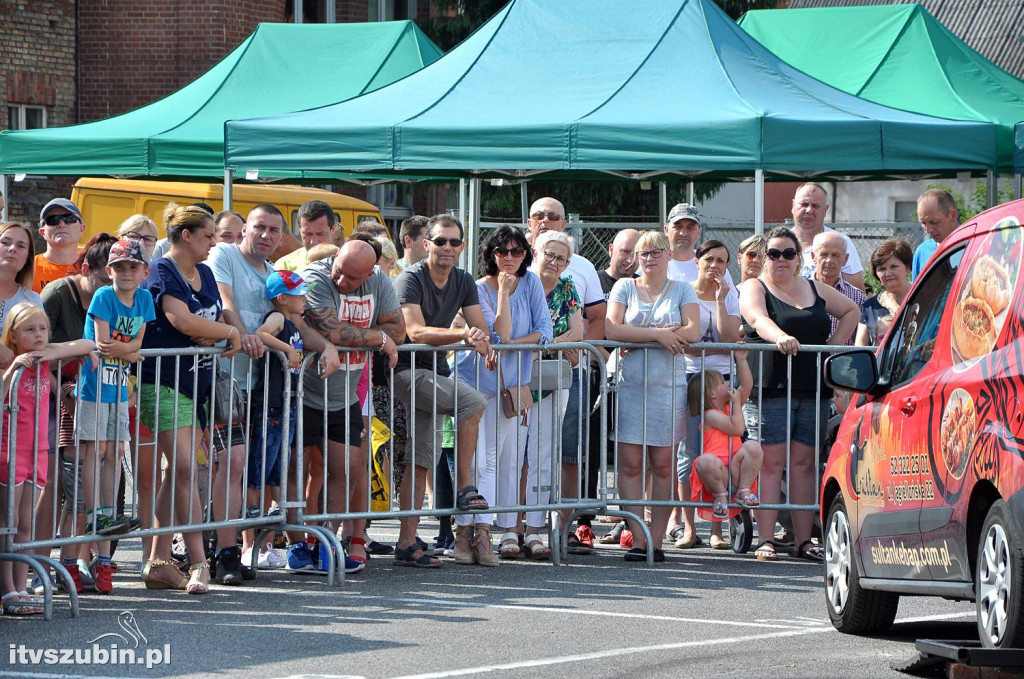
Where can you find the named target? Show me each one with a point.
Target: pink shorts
(23, 468)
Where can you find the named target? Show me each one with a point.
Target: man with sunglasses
(431, 293)
(549, 214)
(810, 205)
(683, 228)
(61, 226)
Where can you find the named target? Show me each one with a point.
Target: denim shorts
(804, 418)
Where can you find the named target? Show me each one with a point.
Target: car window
(912, 345)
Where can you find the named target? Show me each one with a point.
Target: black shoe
(229, 567)
(374, 548)
(248, 574)
(635, 554)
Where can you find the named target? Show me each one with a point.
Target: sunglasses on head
(552, 216)
(441, 241)
(68, 218)
(505, 252)
(788, 254)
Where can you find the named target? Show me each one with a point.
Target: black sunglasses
(68, 218)
(440, 241)
(505, 252)
(552, 216)
(788, 254)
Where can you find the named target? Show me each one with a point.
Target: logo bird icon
(126, 621)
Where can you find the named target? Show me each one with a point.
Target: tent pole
(227, 190)
(690, 193)
(524, 205)
(759, 201)
(663, 201)
(1017, 184)
(473, 227)
(993, 187)
(7, 198)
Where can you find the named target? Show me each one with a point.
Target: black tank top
(811, 325)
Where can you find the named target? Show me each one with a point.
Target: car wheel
(852, 610)
(741, 532)
(998, 583)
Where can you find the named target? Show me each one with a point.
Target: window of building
(309, 11)
(391, 10)
(25, 117)
(905, 211)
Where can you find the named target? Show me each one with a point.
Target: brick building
(74, 61)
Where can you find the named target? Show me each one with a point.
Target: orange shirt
(47, 272)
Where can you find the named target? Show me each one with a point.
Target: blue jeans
(275, 444)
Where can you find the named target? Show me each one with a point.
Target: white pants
(495, 430)
(542, 437)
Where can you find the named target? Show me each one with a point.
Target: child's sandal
(720, 509)
(746, 498)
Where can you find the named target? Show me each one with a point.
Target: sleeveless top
(810, 325)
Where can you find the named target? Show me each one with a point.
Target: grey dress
(664, 408)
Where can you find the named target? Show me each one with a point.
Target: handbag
(515, 401)
(550, 374)
(228, 406)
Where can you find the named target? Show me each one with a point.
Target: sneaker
(586, 536)
(444, 545)
(36, 586)
(134, 522)
(351, 565)
(274, 511)
(178, 550)
(229, 566)
(272, 558)
(108, 525)
(300, 558)
(76, 577)
(103, 577)
(85, 575)
(374, 548)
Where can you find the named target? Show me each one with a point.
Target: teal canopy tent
(581, 87)
(899, 56)
(278, 68)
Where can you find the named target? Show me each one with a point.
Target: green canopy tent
(899, 56)
(278, 68)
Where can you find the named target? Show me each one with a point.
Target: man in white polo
(810, 205)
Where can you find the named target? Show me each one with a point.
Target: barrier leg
(643, 526)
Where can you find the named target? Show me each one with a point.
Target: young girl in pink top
(724, 457)
(27, 333)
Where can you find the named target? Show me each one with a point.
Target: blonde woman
(142, 229)
(388, 261)
(651, 308)
(751, 256)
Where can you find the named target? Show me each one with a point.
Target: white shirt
(584, 277)
(852, 265)
(686, 271)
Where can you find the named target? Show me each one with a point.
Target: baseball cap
(126, 251)
(60, 202)
(285, 283)
(683, 211)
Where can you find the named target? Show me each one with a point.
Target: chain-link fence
(592, 238)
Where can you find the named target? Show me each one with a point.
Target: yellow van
(105, 203)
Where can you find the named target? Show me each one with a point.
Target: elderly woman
(652, 382)
(142, 229)
(17, 269)
(188, 314)
(891, 264)
(513, 304)
(786, 310)
(552, 251)
(751, 257)
(719, 307)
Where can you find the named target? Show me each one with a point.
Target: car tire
(999, 581)
(852, 610)
(741, 532)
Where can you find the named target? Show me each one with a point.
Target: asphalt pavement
(703, 613)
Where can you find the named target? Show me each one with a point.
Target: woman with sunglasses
(786, 310)
(513, 304)
(751, 257)
(142, 229)
(651, 416)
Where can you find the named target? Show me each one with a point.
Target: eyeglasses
(751, 254)
(789, 254)
(552, 216)
(506, 252)
(650, 254)
(555, 258)
(441, 241)
(67, 218)
(148, 240)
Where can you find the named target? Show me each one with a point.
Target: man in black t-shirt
(431, 292)
(622, 262)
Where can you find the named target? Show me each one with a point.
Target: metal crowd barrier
(319, 514)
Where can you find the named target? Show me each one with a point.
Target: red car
(923, 493)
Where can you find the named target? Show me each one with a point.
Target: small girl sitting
(724, 458)
(27, 333)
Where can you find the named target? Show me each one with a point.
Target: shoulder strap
(70, 282)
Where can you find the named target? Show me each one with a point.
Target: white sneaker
(247, 558)
(272, 558)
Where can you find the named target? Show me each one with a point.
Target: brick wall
(136, 51)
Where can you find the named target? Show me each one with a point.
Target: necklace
(191, 279)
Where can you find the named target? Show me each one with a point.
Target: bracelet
(231, 328)
(383, 340)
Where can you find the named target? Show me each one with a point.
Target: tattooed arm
(341, 333)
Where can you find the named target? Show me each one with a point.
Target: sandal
(158, 580)
(196, 585)
(407, 557)
(810, 551)
(18, 603)
(469, 498)
(766, 551)
(746, 499)
(352, 540)
(534, 548)
(720, 508)
(509, 548)
(612, 537)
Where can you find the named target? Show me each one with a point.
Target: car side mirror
(854, 370)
